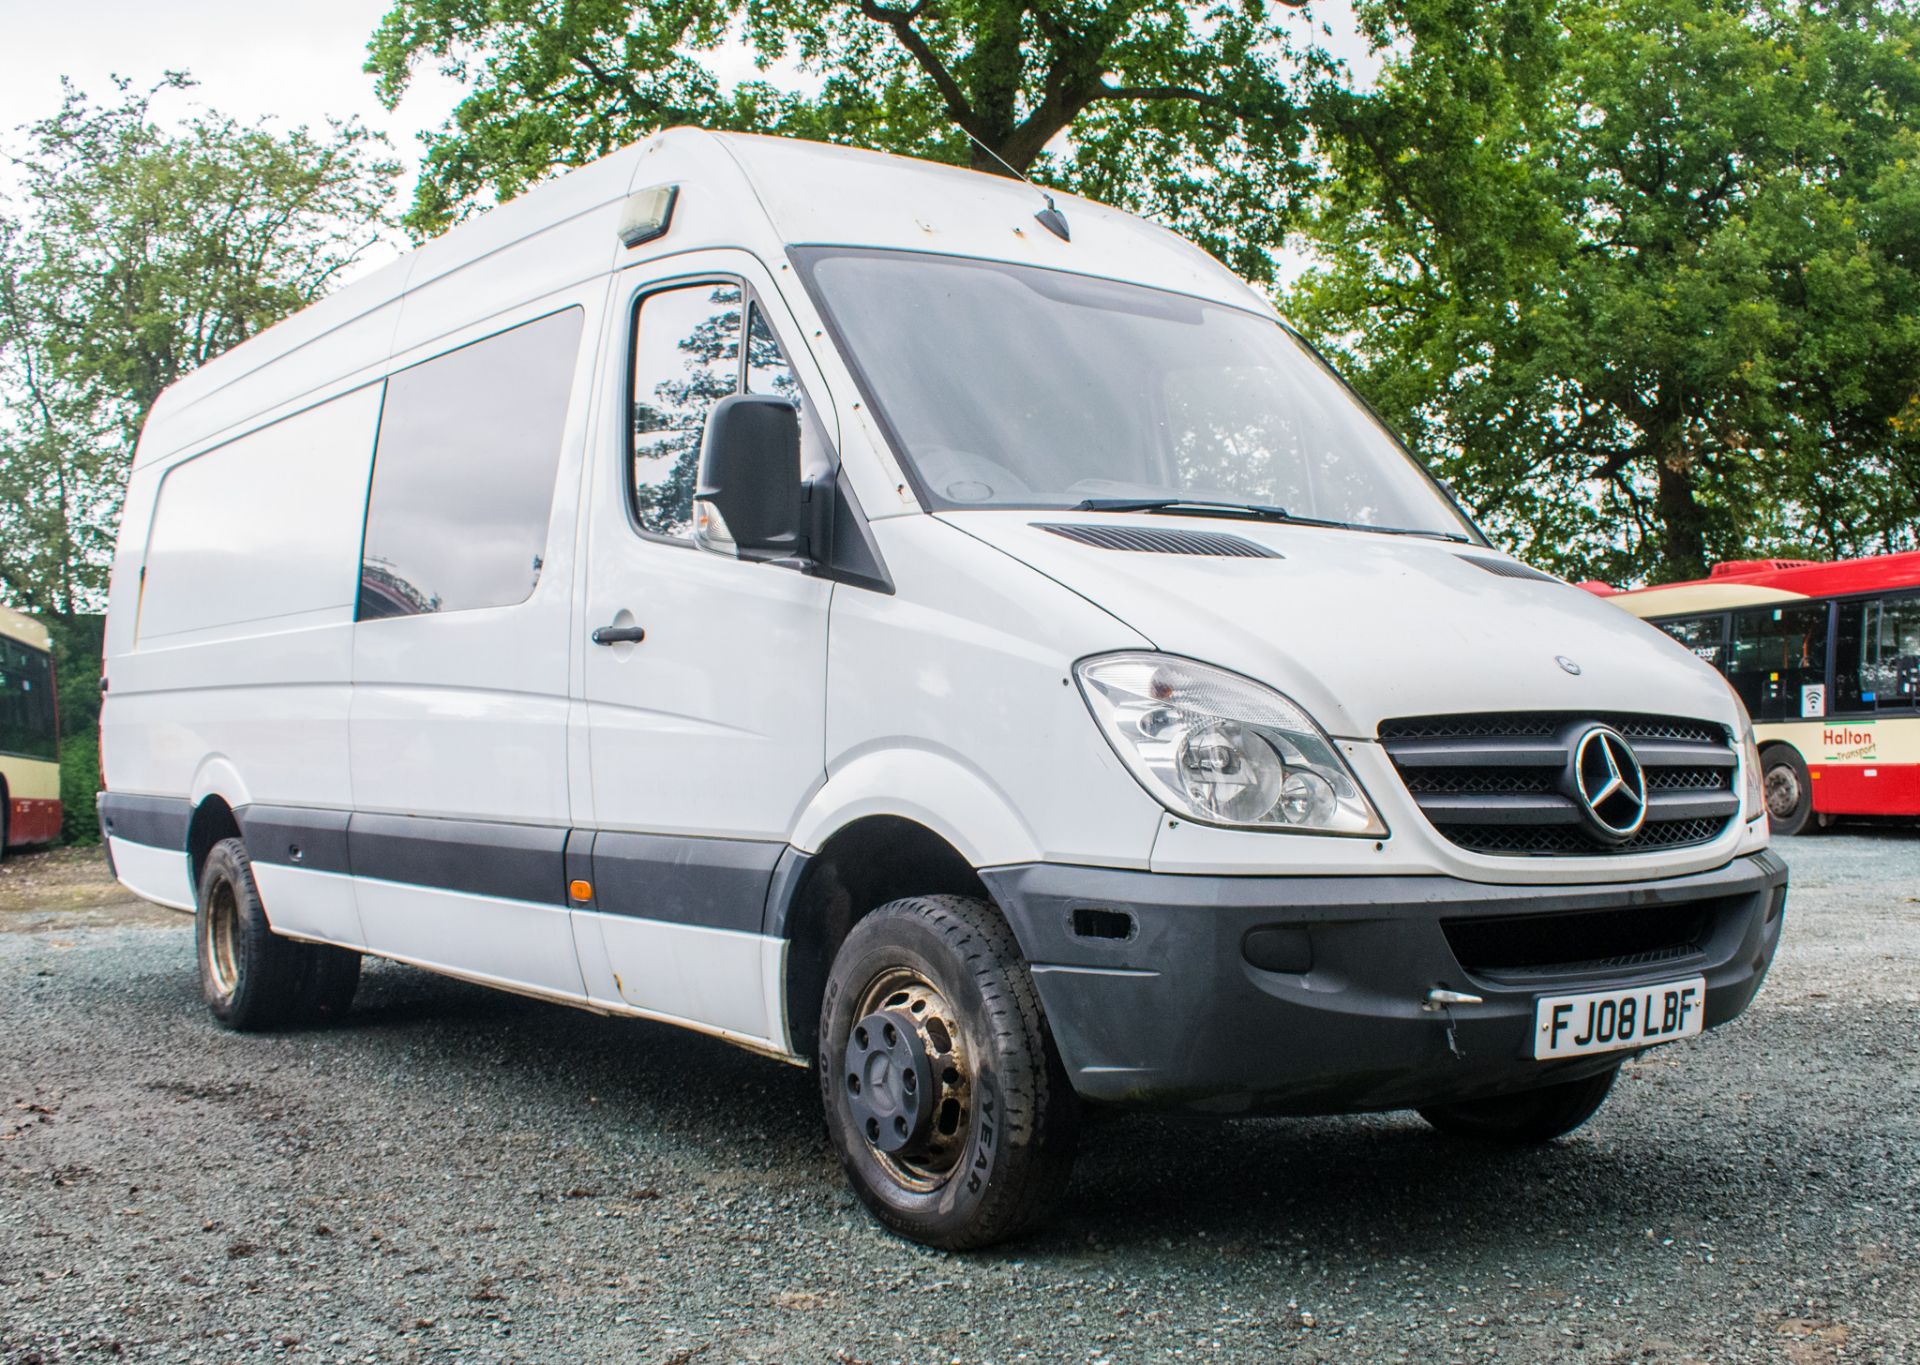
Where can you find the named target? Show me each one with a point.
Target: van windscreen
(1011, 386)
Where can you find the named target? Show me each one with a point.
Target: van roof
(735, 190)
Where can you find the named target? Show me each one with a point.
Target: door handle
(619, 635)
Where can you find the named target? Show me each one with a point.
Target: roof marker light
(647, 214)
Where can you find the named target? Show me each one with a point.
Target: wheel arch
(933, 788)
(816, 899)
(212, 821)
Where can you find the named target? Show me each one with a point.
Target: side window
(26, 702)
(463, 472)
(686, 358)
(1704, 635)
(1877, 666)
(768, 369)
(1775, 653)
(15, 700)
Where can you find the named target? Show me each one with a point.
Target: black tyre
(1788, 789)
(6, 815)
(944, 1095)
(1528, 1118)
(252, 978)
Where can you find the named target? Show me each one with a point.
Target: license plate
(1604, 1021)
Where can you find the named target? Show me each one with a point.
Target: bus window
(1704, 635)
(26, 702)
(1774, 653)
(1878, 667)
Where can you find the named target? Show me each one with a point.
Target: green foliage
(79, 783)
(1192, 113)
(1641, 277)
(134, 253)
(76, 664)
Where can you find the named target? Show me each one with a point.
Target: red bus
(1827, 658)
(29, 734)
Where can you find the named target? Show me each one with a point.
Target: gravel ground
(465, 1175)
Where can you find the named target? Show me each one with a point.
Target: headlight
(1753, 790)
(1222, 749)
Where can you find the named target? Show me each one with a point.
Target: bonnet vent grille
(1507, 568)
(1157, 540)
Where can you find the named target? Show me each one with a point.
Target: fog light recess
(1278, 948)
(1091, 923)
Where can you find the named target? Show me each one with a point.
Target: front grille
(1577, 941)
(1498, 783)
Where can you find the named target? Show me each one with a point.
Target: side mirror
(750, 477)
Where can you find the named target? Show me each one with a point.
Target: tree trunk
(1683, 522)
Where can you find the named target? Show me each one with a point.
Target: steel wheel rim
(223, 934)
(932, 1162)
(1783, 791)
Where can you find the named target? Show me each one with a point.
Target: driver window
(687, 356)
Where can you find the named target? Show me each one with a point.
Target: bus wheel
(945, 1098)
(251, 977)
(1789, 790)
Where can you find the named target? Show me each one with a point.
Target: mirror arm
(816, 516)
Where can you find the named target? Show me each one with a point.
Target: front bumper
(1152, 991)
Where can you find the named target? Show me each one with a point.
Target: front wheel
(1789, 790)
(1528, 1118)
(944, 1095)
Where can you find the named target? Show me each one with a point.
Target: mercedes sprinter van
(957, 640)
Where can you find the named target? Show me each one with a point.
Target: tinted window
(1704, 635)
(463, 472)
(1877, 664)
(1775, 653)
(26, 702)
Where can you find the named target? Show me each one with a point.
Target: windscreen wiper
(1260, 510)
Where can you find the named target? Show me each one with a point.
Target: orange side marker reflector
(580, 890)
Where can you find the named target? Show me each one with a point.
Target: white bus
(850, 607)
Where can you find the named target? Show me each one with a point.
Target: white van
(856, 609)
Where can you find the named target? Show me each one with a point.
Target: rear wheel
(252, 978)
(1528, 1118)
(1789, 790)
(944, 1096)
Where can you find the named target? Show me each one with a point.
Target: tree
(1642, 277)
(131, 254)
(1192, 113)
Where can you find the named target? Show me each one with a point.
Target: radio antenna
(1049, 217)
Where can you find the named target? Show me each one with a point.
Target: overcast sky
(296, 59)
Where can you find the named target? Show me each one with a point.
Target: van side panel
(244, 616)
